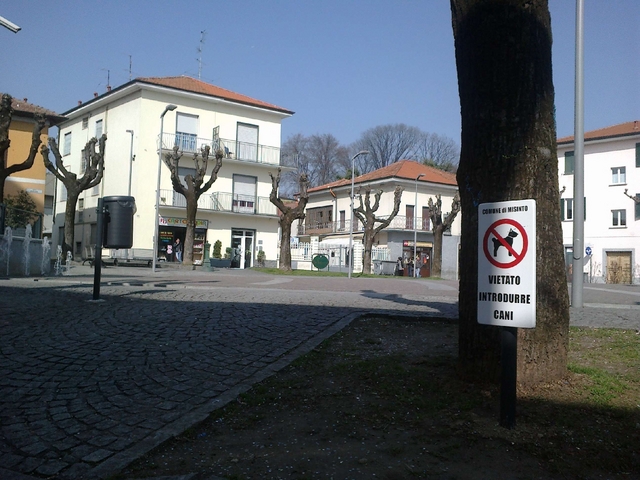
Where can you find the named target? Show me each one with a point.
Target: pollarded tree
(93, 164)
(366, 213)
(438, 227)
(192, 187)
(288, 214)
(503, 57)
(6, 114)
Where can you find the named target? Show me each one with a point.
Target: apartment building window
(426, 218)
(244, 193)
(247, 148)
(619, 218)
(410, 209)
(343, 219)
(618, 175)
(568, 163)
(85, 123)
(66, 147)
(186, 132)
(98, 128)
(319, 218)
(566, 209)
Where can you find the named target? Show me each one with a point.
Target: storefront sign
(181, 222)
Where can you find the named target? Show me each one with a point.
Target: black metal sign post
(97, 256)
(509, 367)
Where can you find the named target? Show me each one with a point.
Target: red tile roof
(189, 84)
(620, 130)
(24, 107)
(406, 169)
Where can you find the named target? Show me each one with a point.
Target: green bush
(217, 249)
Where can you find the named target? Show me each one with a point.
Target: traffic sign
(507, 263)
(588, 251)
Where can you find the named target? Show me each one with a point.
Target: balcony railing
(399, 222)
(232, 149)
(222, 202)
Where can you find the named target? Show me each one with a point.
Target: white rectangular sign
(507, 263)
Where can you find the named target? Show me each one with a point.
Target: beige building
(236, 210)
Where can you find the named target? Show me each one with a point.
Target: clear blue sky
(343, 66)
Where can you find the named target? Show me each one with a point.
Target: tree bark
(503, 56)
(366, 213)
(439, 226)
(288, 215)
(94, 169)
(192, 189)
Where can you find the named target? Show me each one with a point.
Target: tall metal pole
(130, 161)
(353, 175)
(156, 228)
(578, 172)
(415, 230)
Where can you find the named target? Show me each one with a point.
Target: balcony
(399, 222)
(233, 150)
(222, 202)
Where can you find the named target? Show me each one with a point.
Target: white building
(236, 210)
(328, 216)
(612, 219)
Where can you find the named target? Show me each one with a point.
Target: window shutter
(568, 163)
(637, 154)
(562, 209)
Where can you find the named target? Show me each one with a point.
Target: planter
(220, 262)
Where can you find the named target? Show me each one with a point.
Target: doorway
(619, 267)
(242, 248)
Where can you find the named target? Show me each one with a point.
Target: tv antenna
(202, 35)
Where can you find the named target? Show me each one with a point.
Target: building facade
(34, 180)
(328, 217)
(236, 209)
(611, 201)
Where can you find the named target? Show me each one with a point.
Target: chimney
(79, 102)
(635, 122)
(95, 94)
(25, 100)
(108, 88)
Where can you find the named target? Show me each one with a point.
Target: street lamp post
(415, 230)
(130, 160)
(353, 175)
(157, 217)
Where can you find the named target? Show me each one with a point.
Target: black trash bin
(118, 230)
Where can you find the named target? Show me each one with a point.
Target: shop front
(172, 231)
(423, 252)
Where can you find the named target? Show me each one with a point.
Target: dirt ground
(381, 400)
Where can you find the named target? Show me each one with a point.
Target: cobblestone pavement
(88, 386)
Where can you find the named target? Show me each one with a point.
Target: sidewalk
(88, 386)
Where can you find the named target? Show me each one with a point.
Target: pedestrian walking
(178, 249)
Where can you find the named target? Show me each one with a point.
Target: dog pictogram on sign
(500, 237)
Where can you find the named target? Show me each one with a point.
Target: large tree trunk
(436, 255)
(192, 210)
(503, 55)
(285, 241)
(367, 243)
(69, 223)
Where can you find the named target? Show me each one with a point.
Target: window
(244, 193)
(409, 217)
(83, 161)
(619, 218)
(186, 132)
(637, 154)
(618, 175)
(343, 218)
(247, 148)
(81, 204)
(85, 123)
(426, 218)
(566, 209)
(66, 148)
(98, 128)
(568, 163)
(319, 218)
